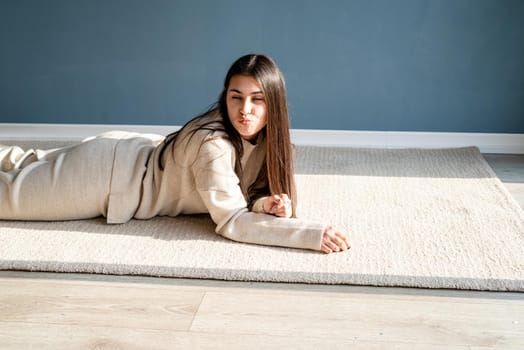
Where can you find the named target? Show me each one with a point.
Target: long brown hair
(279, 171)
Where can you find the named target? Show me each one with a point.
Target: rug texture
(415, 218)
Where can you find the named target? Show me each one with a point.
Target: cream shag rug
(416, 218)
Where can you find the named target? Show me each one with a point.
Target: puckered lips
(245, 120)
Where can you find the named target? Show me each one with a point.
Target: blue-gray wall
(399, 65)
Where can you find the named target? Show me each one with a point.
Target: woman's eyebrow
(240, 92)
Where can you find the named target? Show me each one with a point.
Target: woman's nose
(246, 107)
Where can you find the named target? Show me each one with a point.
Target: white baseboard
(486, 142)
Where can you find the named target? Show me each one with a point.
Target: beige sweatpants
(60, 184)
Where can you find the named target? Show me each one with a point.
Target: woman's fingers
(340, 241)
(333, 241)
(325, 249)
(271, 204)
(279, 205)
(332, 245)
(284, 210)
(343, 237)
(284, 198)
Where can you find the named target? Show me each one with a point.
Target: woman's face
(246, 106)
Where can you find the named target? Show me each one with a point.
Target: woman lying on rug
(233, 162)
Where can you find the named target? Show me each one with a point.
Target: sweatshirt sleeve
(219, 187)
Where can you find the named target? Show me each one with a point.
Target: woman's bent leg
(62, 184)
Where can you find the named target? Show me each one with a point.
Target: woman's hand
(333, 241)
(278, 205)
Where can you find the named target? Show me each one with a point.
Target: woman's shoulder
(201, 127)
(204, 133)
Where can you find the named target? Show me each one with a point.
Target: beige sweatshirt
(199, 177)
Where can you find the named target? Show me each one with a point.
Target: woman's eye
(236, 97)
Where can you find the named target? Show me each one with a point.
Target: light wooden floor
(80, 311)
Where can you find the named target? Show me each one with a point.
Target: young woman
(233, 162)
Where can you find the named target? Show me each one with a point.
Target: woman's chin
(247, 134)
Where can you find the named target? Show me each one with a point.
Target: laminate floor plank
(412, 320)
(96, 305)
(15, 336)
